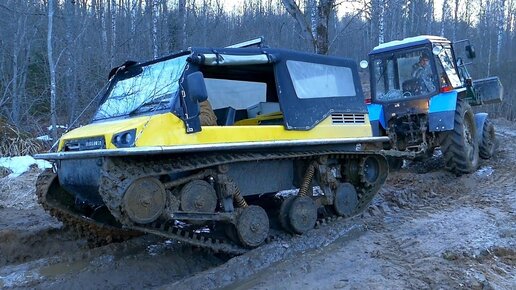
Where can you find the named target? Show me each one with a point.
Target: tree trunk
(381, 19)
(52, 70)
(180, 35)
(501, 20)
(444, 16)
(112, 11)
(155, 28)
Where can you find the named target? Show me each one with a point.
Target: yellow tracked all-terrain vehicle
(197, 145)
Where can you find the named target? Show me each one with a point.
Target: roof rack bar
(256, 41)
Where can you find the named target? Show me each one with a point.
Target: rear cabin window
(314, 80)
(224, 93)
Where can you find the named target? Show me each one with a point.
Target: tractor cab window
(404, 75)
(446, 61)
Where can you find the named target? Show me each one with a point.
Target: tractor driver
(422, 71)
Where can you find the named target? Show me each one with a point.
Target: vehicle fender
(441, 111)
(376, 114)
(480, 119)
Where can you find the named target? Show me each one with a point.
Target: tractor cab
(415, 68)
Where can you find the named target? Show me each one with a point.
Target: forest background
(55, 55)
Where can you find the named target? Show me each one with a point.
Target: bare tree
(320, 37)
(52, 70)
(500, 13)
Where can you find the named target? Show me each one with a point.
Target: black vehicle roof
(278, 53)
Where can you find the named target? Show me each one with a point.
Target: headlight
(124, 139)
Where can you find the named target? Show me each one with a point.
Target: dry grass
(14, 142)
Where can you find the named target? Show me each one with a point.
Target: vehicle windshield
(150, 88)
(404, 75)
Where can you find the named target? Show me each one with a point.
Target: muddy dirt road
(427, 229)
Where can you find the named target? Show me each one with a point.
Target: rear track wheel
(302, 214)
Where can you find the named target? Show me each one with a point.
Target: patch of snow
(20, 164)
(44, 138)
(485, 171)
(49, 128)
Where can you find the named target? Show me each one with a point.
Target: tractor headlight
(124, 139)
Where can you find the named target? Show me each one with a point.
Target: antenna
(256, 41)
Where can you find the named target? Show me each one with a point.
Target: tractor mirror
(196, 87)
(470, 50)
(364, 64)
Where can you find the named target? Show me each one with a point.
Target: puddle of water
(63, 268)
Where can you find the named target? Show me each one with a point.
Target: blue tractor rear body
(421, 97)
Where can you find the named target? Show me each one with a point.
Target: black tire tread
(452, 143)
(485, 148)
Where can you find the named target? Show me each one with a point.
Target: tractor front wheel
(459, 146)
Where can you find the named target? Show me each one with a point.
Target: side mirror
(470, 51)
(196, 88)
(195, 93)
(123, 69)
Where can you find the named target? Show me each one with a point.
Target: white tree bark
(312, 8)
(181, 25)
(455, 19)
(155, 28)
(133, 8)
(501, 22)
(381, 20)
(294, 10)
(444, 16)
(112, 49)
(104, 34)
(52, 70)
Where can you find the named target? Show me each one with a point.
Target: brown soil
(427, 229)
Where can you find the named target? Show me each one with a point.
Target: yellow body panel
(168, 130)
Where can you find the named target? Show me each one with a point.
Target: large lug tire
(487, 142)
(460, 146)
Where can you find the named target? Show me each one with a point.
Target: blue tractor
(422, 97)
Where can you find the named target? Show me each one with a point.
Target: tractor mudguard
(441, 111)
(376, 114)
(480, 119)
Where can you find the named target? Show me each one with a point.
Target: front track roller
(98, 226)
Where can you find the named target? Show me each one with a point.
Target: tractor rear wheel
(487, 143)
(460, 146)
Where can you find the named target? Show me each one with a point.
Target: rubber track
(97, 234)
(118, 173)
